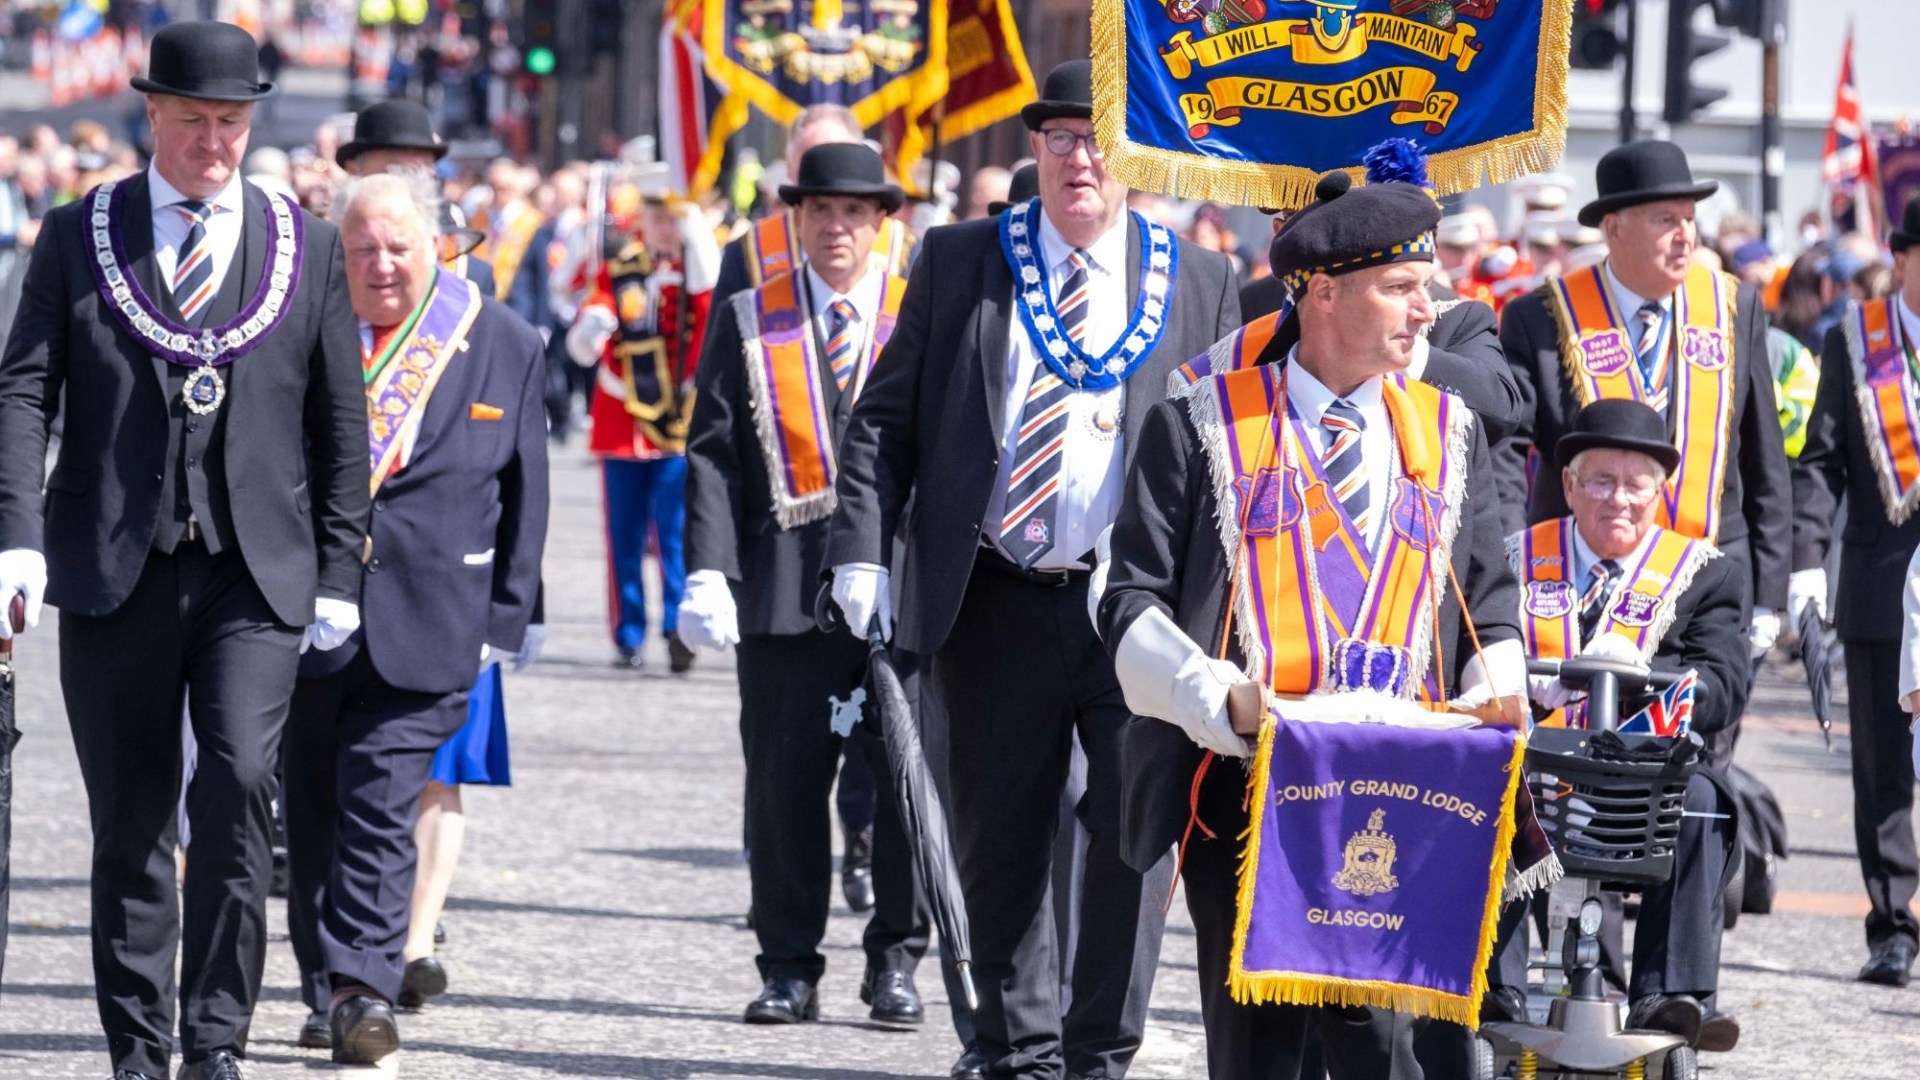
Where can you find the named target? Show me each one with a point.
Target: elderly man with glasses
(1605, 580)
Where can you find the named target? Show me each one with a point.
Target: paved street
(596, 930)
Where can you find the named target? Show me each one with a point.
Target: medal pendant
(204, 391)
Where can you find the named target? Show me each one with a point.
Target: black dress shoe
(892, 996)
(783, 1001)
(439, 934)
(679, 656)
(1503, 1005)
(1719, 1032)
(1890, 963)
(129, 1074)
(629, 659)
(1675, 1014)
(856, 870)
(425, 978)
(364, 1030)
(315, 1034)
(219, 1065)
(972, 1065)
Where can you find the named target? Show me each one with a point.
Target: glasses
(1635, 492)
(1062, 143)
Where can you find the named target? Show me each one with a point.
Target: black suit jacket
(1757, 501)
(1167, 555)
(1834, 462)
(480, 272)
(731, 527)
(459, 530)
(1709, 635)
(295, 427)
(527, 295)
(930, 416)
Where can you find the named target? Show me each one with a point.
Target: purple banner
(1899, 173)
(1376, 866)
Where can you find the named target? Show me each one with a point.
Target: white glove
(1097, 581)
(590, 334)
(1551, 693)
(1200, 704)
(334, 621)
(23, 572)
(1163, 674)
(531, 647)
(699, 250)
(1805, 587)
(1762, 632)
(860, 592)
(708, 618)
(1615, 647)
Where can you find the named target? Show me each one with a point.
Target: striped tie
(193, 265)
(1342, 461)
(1600, 581)
(840, 342)
(1652, 354)
(1033, 490)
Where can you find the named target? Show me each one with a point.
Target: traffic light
(1596, 35)
(540, 35)
(1685, 46)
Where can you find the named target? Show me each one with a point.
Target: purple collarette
(189, 357)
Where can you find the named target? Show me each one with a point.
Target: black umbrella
(9, 737)
(1817, 658)
(922, 814)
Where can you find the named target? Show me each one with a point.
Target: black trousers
(359, 752)
(1270, 1042)
(195, 629)
(792, 755)
(1021, 671)
(1882, 788)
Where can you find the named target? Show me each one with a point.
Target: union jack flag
(1669, 714)
(1848, 162)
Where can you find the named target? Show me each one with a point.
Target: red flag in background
(987, 80)
(1849, 163)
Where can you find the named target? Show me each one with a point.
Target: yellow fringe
(1297, 988)
(1247, 183)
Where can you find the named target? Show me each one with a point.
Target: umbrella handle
(825, 615)
(17, 615)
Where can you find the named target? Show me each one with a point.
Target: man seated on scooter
(1606, 581)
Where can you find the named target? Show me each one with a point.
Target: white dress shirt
(1628, 303)
(1090, 462)
(1309, 399)
(1585, 559)
(170, 227)
(865, 298)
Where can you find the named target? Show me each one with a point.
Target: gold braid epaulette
(633, 259)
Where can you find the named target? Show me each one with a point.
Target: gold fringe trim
(1248, 183)
(1298, 988)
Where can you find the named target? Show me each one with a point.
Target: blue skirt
(477, 753)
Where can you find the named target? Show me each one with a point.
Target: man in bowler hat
(1014, 427)
(202, 526)
(397, 136)
(1650, 324)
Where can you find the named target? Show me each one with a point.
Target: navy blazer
(457, 533)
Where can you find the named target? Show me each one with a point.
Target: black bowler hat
(1642, 172)
(211, 61)
(1618, 424)
(843, 169)
(1908, 234)
(1349, 228)
(399, 124)
(1067, 93)
(1022, 188)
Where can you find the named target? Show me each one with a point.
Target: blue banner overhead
(1247, 101)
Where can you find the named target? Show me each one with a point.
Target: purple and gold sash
(773, 249)
(1884, 386)
(1235, 352)
(789, 396)
(1317, 608)
(1640, 609)
(402, 378)
(1597, 349)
